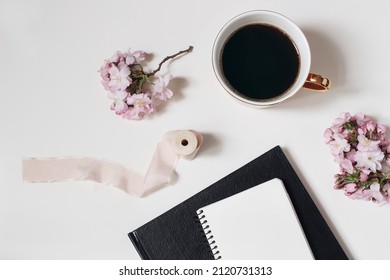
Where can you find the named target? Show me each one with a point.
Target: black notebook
(176, 234)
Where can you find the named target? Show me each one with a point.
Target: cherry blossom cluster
(359, 146)
(133, 92)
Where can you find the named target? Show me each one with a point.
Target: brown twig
(168, 58)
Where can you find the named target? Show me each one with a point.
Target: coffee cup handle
(316, 82)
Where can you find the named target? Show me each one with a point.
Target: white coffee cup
(304, 78)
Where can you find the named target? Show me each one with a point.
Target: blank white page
(259, 223)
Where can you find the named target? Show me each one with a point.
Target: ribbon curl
(173, 145)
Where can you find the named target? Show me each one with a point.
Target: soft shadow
(148, 58)
(177, 85)
(211, 145)
(327, 59)
(174, 178)
(317, 203)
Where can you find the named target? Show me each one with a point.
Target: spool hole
(184, 142)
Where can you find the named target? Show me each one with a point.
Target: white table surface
(54, 105)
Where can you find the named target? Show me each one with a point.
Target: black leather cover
(176, 234)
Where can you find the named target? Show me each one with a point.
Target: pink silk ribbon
(173, 145)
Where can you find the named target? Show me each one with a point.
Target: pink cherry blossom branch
(134, 95)
(188, 50)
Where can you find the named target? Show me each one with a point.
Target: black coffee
(260, 61)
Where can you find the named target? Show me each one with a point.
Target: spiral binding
(208, 234)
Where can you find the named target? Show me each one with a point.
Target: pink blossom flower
(367, 145)
(342, 118)
(119, 105)
(134, 57)
(350, 188)
(142, 105)
(346, 165)
(359, 146)
(374, 193)
(364, 175)
(105, 74)
(369, 160)
(117, 57)
(139, 100)
(370, 125)
(119, 78)
(358, 194)
(328, 135)
(131, 114)
(384, 144)
(385, 192)
(132, 89)
(351, 155)
(161, 90)
(134, 114)
(361, 119)
(339, 145)
(362, 130)
(338, 158)
(381, 128)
